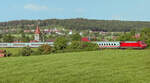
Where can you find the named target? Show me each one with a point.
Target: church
(37, 34)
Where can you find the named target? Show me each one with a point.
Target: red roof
(33, 41)
(17, 42)
(37, 31)
(85, 39)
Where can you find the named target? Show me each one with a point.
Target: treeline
(80, 24)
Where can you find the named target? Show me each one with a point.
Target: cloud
(35, 7)
(56, 9)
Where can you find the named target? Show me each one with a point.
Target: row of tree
(79, 24)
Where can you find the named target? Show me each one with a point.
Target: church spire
(37, 31)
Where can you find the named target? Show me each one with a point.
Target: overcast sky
(63, 9)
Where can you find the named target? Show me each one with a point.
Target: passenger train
(122, 44)
(101, 44)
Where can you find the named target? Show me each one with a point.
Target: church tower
(37, 34)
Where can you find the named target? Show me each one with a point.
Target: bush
(82, 46)
(87, 46)
(7, 54)
(44, 49)
(76, 37)
(26, 51)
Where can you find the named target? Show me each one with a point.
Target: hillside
(78, 24)
(106, 66)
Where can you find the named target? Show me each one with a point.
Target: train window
(19, 44)
(5, 44)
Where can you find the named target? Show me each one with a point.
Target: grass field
(106, 66)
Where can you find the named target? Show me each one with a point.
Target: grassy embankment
(106, 66)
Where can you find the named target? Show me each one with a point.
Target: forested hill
(80, 24)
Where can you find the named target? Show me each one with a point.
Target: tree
(1, 37)
(126, 37)
(132, 32)
(145, 34)
(24, 38)
(76, 37)
(23, 35)
(60, 43)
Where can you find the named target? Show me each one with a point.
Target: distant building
(137, 36)
(37, 34)
(27, 31)
(81, 33)
(70, 32)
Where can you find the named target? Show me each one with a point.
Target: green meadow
(103, 66)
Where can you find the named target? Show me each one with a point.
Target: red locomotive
(132, 44)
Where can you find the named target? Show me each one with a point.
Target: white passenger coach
(108, 44)
(17, 45)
